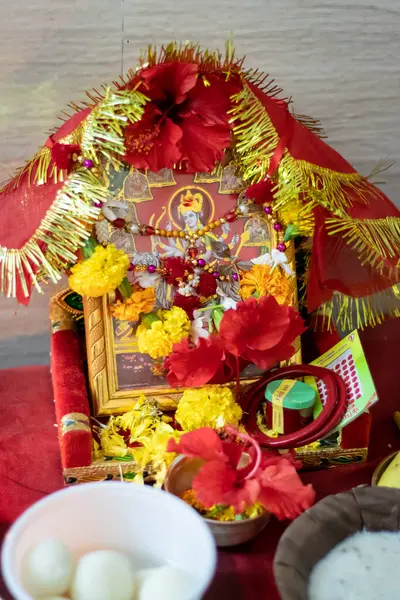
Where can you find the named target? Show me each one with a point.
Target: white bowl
(138, 520)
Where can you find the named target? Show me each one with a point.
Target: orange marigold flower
(140, 302)
(262, 281)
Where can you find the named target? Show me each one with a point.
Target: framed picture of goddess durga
(178, 208)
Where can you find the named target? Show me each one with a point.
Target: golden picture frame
(118, 373)
(107, 397)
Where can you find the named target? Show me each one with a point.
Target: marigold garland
(103, 272)
(210, 406)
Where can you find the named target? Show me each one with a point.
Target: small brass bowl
(226, 533)
(381, 468)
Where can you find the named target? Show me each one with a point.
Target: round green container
(297, 405)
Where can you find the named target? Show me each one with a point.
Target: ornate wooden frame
(106, 397)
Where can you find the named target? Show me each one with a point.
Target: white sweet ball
(48, 569)
(165, 582)
(103, 575)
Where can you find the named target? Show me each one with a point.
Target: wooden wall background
(339, 59)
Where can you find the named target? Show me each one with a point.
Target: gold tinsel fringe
(319, 186)
(255, 142)
(375, 240)
(111, 111)
(255, 136)
(62, 232)
(103, 130)
(39, 170)
(68, 222)
(314, 125)
(193, 53)
(347, 313)
(297, 214)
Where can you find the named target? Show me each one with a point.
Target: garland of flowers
(222, 489)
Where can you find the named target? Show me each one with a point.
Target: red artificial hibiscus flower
(207, 362)
(205, 444)
(207, 285)
(185, 121)
(187, 303)
(177, 269)
(193, 366)
(282, 491)
(261, 331)
(260, 192)
(269, 479)
(219, 480)
(218, 483)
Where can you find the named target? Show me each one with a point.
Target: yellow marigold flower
(262, 282)
(111, 442)
(210, 406)
(101, 273)
(153, 340)
(152, 456)
(158, 340)
(176, 324)
(140, 302)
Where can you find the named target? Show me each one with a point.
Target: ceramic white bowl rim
(13, 534)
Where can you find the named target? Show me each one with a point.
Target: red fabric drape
(335, 266)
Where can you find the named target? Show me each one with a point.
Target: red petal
(62, 154)
(201, 443)
(201, 145)
(282, 491)
(236, 323)
(262, 331)
(266, 359)
(213, 482)
(233, 453)
(194, 366)
(170, 81)
(152, 143)
(187, 303)
(260, 192)
(227, 369)
(243, 496)
(213, 101)
(165, 152)
(207, 285)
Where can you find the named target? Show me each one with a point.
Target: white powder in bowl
(365, 566)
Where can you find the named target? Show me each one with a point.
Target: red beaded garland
(148, 230)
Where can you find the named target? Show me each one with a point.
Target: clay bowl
(226, 533)
(308, 539)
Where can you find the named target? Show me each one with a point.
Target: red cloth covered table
(30, 465)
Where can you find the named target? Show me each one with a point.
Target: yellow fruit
(391, 475)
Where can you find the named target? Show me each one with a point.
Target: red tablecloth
(30, 466)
